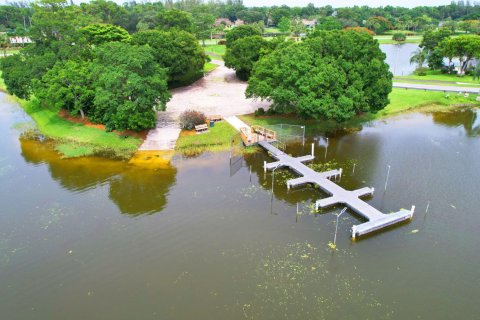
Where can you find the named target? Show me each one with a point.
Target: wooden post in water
(388, 176)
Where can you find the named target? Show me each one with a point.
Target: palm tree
(419, 56)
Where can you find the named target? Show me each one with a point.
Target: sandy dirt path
(218, 93)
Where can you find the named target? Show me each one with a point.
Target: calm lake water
(99, 239)
(398, 57)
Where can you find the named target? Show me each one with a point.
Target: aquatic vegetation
(298, 280)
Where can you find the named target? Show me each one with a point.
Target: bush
(222, 42)
(448, 70)
(421, 71)
(190, 118)
(400, 37)
(259, 112)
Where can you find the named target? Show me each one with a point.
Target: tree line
(16, 18)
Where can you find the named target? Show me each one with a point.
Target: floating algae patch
(302, 281)
(252, 191)
(53, 216)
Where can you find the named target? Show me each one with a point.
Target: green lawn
(272, 30)
(438, 76)
(216, 49)
(401, 101)
(388, 39)
(208, 67)
(73, 139)
(218, 138)
(2, 83)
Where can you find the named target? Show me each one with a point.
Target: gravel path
(218, 93)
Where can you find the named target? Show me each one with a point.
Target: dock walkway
(376, 219)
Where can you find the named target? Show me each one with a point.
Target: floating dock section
(376, 219)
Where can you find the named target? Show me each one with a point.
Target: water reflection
(469, 119)
(135, 190)
(398, 57)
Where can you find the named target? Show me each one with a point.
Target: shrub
(421, 71)
(448, 70)
(259, 112)
(400, 37)
(190, 118)
(222, 42)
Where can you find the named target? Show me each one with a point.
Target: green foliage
(241, 32)
(432, 38)
(329, 23)
(191, 118)
(203, 25)
(175, 19)
(400, 37)
(421, 71)
(465, 48)
(378, 24)
(68, 85)
(178, 52)
(284, 24)
(130, 87)
(333, 75)
(19, 70)
(297, 27)
(419, 56)
(243, 53)
(97, 34)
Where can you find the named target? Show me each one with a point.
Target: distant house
(239, 22)
(309, 24)
(20, 40)
(223, 21)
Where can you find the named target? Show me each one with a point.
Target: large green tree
(333, 75)
(130, 87)
(241, 32)
(178, 52)
(69, 86)
(465, 48)
(243, 53)
(175, 19)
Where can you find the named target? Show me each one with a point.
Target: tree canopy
(333, 75)
(178, 52)
(243, 54)
(97, 34)
(241, 32)
(129, 87)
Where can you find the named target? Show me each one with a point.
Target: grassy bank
(77, 140)
(435, 75)
(218, 138)
(73, 139)
(401, 101)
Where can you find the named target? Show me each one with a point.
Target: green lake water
(100, 239)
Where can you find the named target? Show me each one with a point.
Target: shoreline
(91, 141)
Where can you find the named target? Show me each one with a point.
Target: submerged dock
(376, 219)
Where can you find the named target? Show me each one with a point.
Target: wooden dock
(376, 220)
